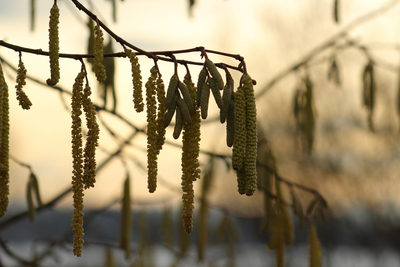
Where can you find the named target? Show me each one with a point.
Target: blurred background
(354, 166)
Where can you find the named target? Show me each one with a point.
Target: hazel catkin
(54, 45)
(4, 145)
(98, 66)
(251, 136)
(239, 144)
(22, 98)
(152, 150)
(89, 167)
(136, 80)
(160, 88)
(77, 173)
(190, 162)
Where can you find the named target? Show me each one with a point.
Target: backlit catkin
(161, 113)
(89, 167)
(54, 45)
(251, 137)
(239, 144)
(98, 66)
(152, 151)
(190, 162)
(4, 144)
(77, 173)
(22, 98)
(136, 80)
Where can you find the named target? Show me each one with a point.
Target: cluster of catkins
(84, 162)
(189, 105)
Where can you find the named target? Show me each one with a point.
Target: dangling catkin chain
(152, 137)
(190, 162)
(89, 167)
(77, 173)
(4, 145)
(136, 80)
(54, 45)
(98, 66)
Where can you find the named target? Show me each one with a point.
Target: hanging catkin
(136, 80)
(152, 137)
(239, 144)
(98, 66)
(77, 173)
(190, 162)
(22, 98)
(89, 167)
(54, 45)
(160, 88)
(4, 145)
(250, 159)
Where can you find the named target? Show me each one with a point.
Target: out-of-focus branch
(328, 43)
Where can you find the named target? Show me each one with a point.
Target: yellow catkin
(4, 145)
(54, 45)
(239, 144)
(161, 113)
(315, 247)
(77, 173)
(190, 163)
(22, 98)
(136, 80)
(152, 137)
(251, 137)
(98, 66)
(89, 167)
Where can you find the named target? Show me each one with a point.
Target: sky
(271, 35)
